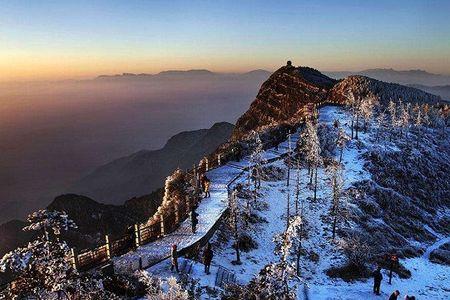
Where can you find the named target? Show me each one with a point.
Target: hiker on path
(174, 259)
(207, 257)
(377, 277)
(194, 220)
(394, 295)
(205, 184)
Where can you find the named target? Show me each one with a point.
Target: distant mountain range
(436, 84)
(145, 171)
(182, 74)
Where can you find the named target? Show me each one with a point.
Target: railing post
(74, 258)
(137, 235)
(162, 224)
(108, 247)
(207, 164)
(219, 159)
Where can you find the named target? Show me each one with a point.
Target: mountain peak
(282, 97)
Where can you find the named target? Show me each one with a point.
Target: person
(377, 277)
(207, 257)
(205, 183)
(174, 259)
(194, 220)
(410, 297)
(394, 295)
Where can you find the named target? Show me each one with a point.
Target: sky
(53, 40)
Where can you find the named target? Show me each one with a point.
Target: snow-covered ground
(209, 209)
(428, 280)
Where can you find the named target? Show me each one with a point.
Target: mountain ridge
(407, 77)
(144, 171)
(180, 73)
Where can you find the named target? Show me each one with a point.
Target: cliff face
(285, 97)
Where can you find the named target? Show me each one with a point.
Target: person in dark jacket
(194, 220)
(174, 258)
(394, 295)
(207, 257)
(377, 277)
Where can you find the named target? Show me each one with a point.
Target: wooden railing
(143, 234)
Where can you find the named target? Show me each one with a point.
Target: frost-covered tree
(354, 108)
(356, 250)
(257, 161)
(426, 114)
(366, 110)
(381, 123)
(177, 189)
(275, 280)
(341, 141)
(336, 183)
(43, 268)
(234, 215)
(404, 118)
(311, 150)
(392, 109)
(156, 289)
(290, 242)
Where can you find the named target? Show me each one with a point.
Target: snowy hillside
(319, 252)
(304, 202)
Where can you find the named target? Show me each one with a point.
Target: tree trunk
(353, 117)
(236, 238)
(340, 156)
(334, 225)
(288, 213)
(357, 124)
(315, 185)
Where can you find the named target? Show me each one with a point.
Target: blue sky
(63, 39)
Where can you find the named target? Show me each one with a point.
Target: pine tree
(42, 268)
(392, 109)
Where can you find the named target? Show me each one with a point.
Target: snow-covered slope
(320, 252)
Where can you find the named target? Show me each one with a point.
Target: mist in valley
(53, 133)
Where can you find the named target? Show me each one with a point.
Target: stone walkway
(210, 211)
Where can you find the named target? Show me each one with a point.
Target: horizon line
(93, 77)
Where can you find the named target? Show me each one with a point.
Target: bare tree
(341, 142)
(337, 184)
(234, 215)
(311, 148)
